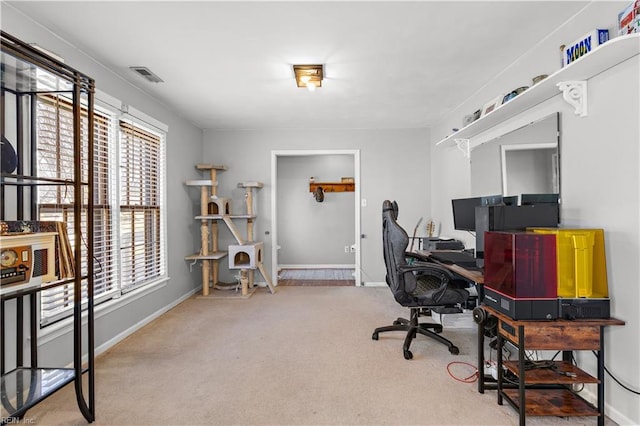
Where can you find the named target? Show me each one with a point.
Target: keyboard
(462, 258)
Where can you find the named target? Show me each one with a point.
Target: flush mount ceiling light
(309, 76)
(147, 74)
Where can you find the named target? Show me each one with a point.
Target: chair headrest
(392, 207)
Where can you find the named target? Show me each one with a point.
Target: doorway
(279, 189)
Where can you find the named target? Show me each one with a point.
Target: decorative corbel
(463, 145)
(575, 94)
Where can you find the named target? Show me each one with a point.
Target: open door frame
(274, 208)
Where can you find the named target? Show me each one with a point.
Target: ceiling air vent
(147, 74)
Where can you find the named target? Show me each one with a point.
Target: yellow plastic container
(581, 262)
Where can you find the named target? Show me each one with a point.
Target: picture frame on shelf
(491, 105)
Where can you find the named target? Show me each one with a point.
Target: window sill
(65, 326)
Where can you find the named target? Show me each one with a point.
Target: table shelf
(537, 376)
(552, 402)
(23, 388)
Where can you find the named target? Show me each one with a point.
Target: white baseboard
(374, 284)
(327, 266)
(609, 411)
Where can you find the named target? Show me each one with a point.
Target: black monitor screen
(528, 199)
(464, 213)
(492, 200)
(510, 201)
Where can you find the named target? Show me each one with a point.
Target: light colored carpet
(302, 356)
(316, 274)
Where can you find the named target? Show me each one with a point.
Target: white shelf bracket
(575, 94)
(463, 145)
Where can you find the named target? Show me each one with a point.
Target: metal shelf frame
(27, 72)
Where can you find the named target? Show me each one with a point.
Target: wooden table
(548, 391)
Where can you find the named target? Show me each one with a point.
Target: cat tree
(245, 256)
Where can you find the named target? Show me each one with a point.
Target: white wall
(392, 167)
(311, 232)
(599, 159)
(184, 147)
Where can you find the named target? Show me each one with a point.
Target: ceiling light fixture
(309, 76)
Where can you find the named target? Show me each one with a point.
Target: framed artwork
(491, 105)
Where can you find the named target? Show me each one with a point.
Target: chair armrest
(427, 268)
(417, 256)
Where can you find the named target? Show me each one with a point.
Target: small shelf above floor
(231, 216)
(210, 256)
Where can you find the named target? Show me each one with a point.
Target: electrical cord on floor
(469, 379)
(616, 379)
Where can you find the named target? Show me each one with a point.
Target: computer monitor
(530, 199)
(491, 200)
(510, 201)
(464, 210)
(464, 213)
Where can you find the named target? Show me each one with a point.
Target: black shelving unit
(28, 73)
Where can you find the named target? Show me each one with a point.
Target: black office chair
(420, 285)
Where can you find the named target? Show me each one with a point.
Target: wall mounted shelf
(605, 56)
(333, 186)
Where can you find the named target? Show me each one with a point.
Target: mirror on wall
(524, 161)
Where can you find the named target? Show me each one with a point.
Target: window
(128, 218)
(140, 205)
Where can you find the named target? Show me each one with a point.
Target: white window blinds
(141, 193)
(129, 224)
(55, 203)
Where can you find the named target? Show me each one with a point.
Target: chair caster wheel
(408, 355)
(454, 350)
(374, 336)
(396, 322)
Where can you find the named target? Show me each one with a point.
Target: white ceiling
(228, 65)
